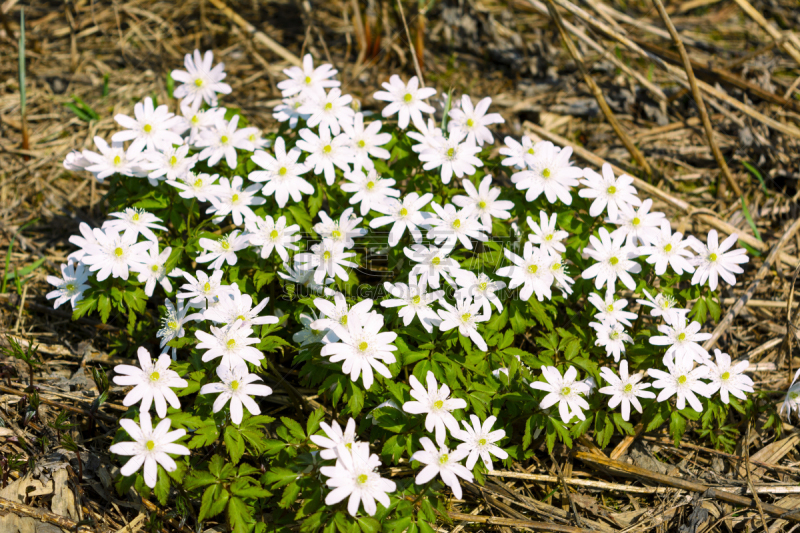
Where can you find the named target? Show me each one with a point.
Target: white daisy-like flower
(282, 174)
(474, 120)
(221, 251)
(200, 186)
(363, 348)
(432, 262)
(520, 154)
(550, 173)
(559, 272)
(405, 100)
(237, 387)
(151, 128)
(327, 259)
(427, 137)
(370, 189)
(682, 382)
(563, 390)
(624, 390)
(75, 162)
(455, 154)
(612, 337)
(532, 271)
(271, 235)
(308, 335)
(354, 477)
(325, 152)
(231, 199)
(639, 226)
(152, 382)
(305, 279)
(484, 202)
(237, 306)
(609, 193)
(222, 140)
(85, 242)
(436, 404)
(728, 378)
(114, 254)
(366, 142)
(546, 235)
(173, 163)
(114, 159)
(714, 260)
(337, 314)
(663, 305)
(203, 291)
(465, 316)
(307, 78)
(172, 323)
(610, 309)
(135, 221)
(200, 82)
(668, 249)
(405, 214)
(327, 109)
(150, 447)
(151, 270)
(197, 121)
(413, 301)
(342, 231)
(334, 438)
(479, 441)
(683, 339)
(70, 286)
(792, 399)
(232, 343)
(614, 260)
(481, 288)
(451, 226)
(442, 462)
(288, 110)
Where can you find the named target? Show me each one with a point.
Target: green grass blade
(754, 171)
(749, 218)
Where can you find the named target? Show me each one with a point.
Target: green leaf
(677, 427)
(749, 219)
(754, 171)
(289, 495)
(215, 498)
(313, 421)
(280, 476)
(84, 307)
(246, 487)
(240, 516)
(234, 443)
(161, 489)
(198, 479)
(301, 217)
(294, 428)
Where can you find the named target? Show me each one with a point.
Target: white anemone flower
(114, 254)
(309, 335)
(150, 447)
(639, 225)
(532, 271)
(668, 249)
(238, 306)
(474, 120)
(727, 377)
(337, 314)
(442, 462)
(152, 269)
(614, 260)
(405, 214)
(326, 259)
(683, 339)
(342, 231)
(479, 441)
(405, 100)
(221, 251)
(520, 154)
(452, 226)
(437, 406)
(171, 163)
(70, 286)
(237, 387)
(151, 128)
(335, 437)
(114, 159)
(200, 82)
(413, 301)
(135, 221)
(327, 109)
(546, 235)
(370, 189)
(325, 152)
(610, 309)
(715, 260)
(288, 110)
(550, 173)
(792, 400)
(354, 477)
(201, 186)
(197, 121)
(281, 174)
(481, 288)
(563, 390)
(484, 202)
(305, 279)
(609, 193)
(307, 78)
(172, 323)
(233, 344)
(432, 262)
(455, 154)
(366, 142)
(271, 235)
(231, 199)
(203, 291)
(465, 316)
(222, 140)
(682, 382)
(663, 305)
(612, 337)
(153, 382)
(624, 390)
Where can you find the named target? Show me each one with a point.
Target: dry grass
(110, 54)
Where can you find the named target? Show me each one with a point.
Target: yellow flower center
(198, 183)
(725, 376)
(225, 245)
(681, 379)
(172, 324)
(362, 346)
(612, 190)
(147, 128)
(451, 152)
(370, 185)
(206, 287)
(328, 106)
(408, 97)
(336, 234)
(155, 376)
(195, 119)
(416, 299)
(273, 234)
(636, 221)
(482, 204)
(530, 151)
(198, 82)
(135, 217)
(154, 268)
(343, 320)
(308, 80)
(234, 385)
(235, 198)
(466, 316)
(349, 445)
(546, 173)
(150, 445)
(70, 287)
(438, 404)
(668, 248)
(609, 309)
(241, 317)
(117, 160)
(483, 286)
(682, 337)
(362, 479)
(712, 257)
(470, 122)
(403, 211)
(482, 442)
(613, 260)
(436, 261)
(533, 268)
(614, 335)
(327, 148)
(443, 459)
(173, 161)
(361, 143)
(628, 388)
(118, 251)
(794, 395)
(224, 139)
(456, 223)
(565, 391)
(282, 171)
(231, 343)
(548, 237)
(326, 255)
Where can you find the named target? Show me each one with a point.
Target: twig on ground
(746, 446)
(78, 410)
(623, 446)
(767, 27)
(512, 522)
(578, 482)
(7, 506)
(566, 492)
(417, 67)
(698, 98)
